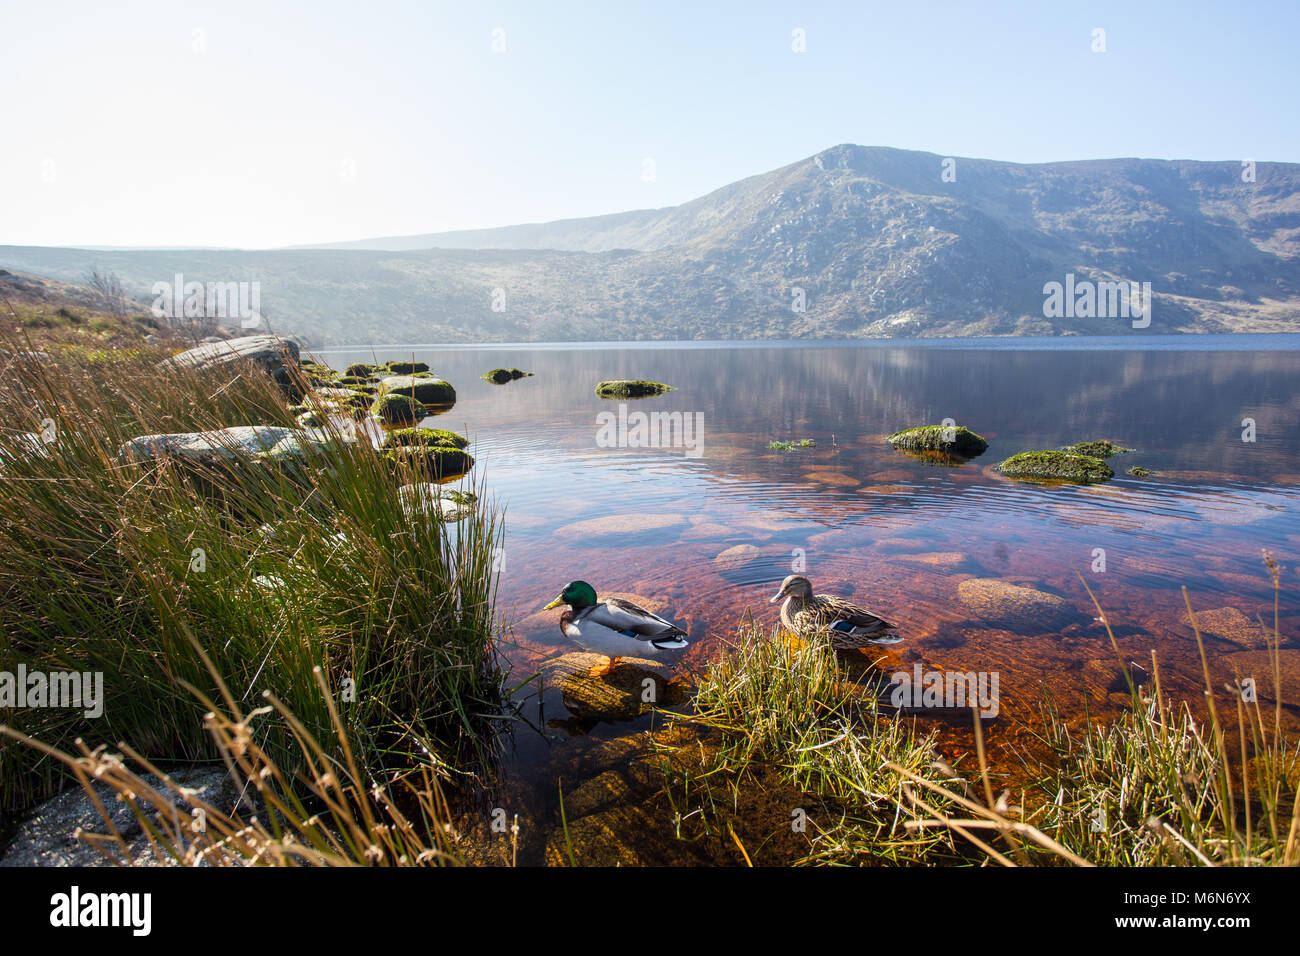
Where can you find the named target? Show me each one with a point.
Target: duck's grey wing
(627, 616)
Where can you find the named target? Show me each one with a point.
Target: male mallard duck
(850, 626)
(614, 627)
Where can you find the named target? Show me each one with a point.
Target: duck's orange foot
(605, 669)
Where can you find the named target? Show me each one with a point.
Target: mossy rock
(407, 368)
(318, 374)
(631, 388)
(425, 436)
(433, 461)
(362, 370)
(430, 391)
(356, 381)
(951, 440)
(500, 376)
(398, 409)
(1098, 449)
(1056, 466)
(1137, 471)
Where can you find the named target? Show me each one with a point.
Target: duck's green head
(576, 594)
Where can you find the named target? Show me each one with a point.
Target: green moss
(362, 370)
(357, 381)
(630, 388)
(1098, 449)
(425, 436)
(430, 391)
(949, 439)
(1056, 465)
(318, 374)
(398, 409)
(407, 368)
(1137, 471)
(792, 445)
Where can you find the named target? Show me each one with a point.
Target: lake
(1214, 418)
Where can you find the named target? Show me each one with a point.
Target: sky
(264, 124)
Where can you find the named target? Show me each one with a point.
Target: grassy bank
(129, 569)
(1165, 785)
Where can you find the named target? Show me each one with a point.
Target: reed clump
(783, 715)
(277, 564)
(1160, 787)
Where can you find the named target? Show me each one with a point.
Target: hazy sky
(262, 124)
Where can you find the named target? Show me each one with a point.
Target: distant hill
(879, 242)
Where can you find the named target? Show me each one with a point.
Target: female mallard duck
(850, 626)
(614, 627)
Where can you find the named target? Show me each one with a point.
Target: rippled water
(894, 533)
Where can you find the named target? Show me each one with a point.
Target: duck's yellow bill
(556, 603)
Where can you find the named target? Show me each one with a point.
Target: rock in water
(630, 388)
(733, 559)
(426, 389)
(631, 689)
(1016, 607)
(1056, 466)
(1229, 624)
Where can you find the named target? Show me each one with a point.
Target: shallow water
(889, 531)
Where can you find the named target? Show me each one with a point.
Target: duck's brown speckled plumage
(805, 613)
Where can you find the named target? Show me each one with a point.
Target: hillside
(879, 243)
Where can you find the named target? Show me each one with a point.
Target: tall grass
(784, 711)
(307, 562)
(1159, 787)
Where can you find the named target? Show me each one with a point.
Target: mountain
(880, 242)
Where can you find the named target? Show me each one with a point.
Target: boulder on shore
(268, 352)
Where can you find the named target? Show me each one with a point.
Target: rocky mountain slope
(874, 241)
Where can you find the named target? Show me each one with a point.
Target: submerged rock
(1056, 465)
(733, 559)
(999, 603)
(630, 388)
(632, 688)
(951, 440)
(1229, 624)
(617, 526)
